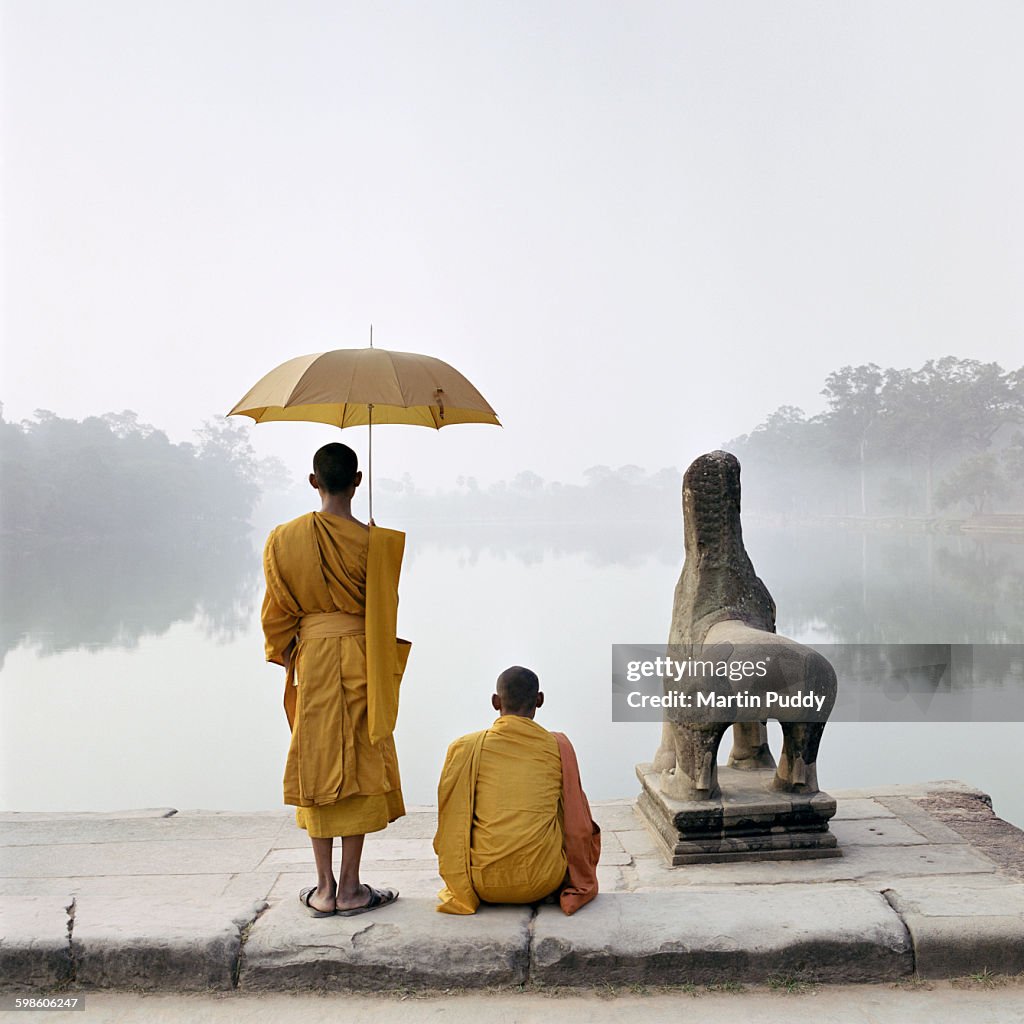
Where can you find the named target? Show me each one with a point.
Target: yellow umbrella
(362, 386)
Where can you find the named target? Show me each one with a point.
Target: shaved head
(518, 689)
(335, 467)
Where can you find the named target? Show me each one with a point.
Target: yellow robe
(500, 836)
(341, 691)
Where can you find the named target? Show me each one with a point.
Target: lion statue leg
(695, 775)
(798, 769)
(750, 751)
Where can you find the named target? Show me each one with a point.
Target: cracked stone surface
(840, 934)
(404, 945)
(172, 939)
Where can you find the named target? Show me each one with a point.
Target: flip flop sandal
(304, 897)
(378, 898)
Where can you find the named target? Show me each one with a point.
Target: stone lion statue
(721, 604)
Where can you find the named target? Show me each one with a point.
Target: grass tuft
(790, 984)
(981, 979)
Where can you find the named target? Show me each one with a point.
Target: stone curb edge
(624, 938)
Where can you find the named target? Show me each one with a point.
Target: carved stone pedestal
(749, 821)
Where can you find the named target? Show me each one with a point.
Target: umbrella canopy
(352, 387)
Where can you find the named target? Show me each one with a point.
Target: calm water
(135, 678)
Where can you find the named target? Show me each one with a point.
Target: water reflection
(530, 543)
(65, 596)
(475, 598)
(877, 588)
(829, 585)
(844, 586)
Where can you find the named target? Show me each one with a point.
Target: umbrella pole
(369, 458)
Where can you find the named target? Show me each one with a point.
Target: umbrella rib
(342, 412)
(398, 383)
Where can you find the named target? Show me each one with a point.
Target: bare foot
(322, 900)
(353, 901)
(374, 898)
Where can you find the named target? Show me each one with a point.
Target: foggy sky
(638, 228)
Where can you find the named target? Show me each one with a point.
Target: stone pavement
(930, 883)
(968, 1002)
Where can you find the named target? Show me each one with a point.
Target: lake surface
(134, 677)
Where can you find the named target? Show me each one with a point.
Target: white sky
(637, 227)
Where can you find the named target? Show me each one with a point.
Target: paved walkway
(930, 1003)
(930, 884)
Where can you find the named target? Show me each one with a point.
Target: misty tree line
(943, 438)
(607, 493)
(112, 476)
(948, 436)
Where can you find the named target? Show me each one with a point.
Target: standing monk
(329, 618)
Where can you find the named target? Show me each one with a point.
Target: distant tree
(976, 482)
(782, 459)
(16, 512)
(527, 481)
(986, 399)
(227, 471)
(668, 478)
(595, 474)
(854, 396)
(948, 405)
(272, 474)
(125, 423)
(1013, 458)
(228, 441)
(112, 476)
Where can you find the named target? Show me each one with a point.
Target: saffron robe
(513, 821)
(342, 685)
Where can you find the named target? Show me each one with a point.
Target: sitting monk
(513, 822)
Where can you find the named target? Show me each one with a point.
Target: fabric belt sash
(321, 624)
(312, 627)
